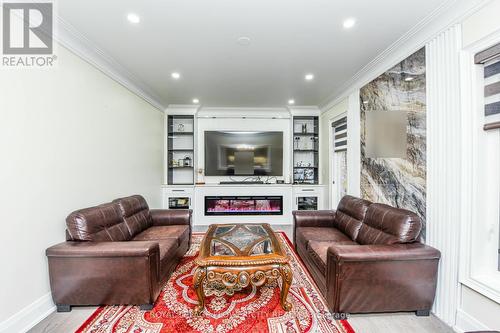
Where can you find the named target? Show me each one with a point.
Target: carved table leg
(199, 275)
(286, 277)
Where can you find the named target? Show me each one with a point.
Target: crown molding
(244, 109)
(183, 106)
(243, 112)
(73, 40)
(443, 17)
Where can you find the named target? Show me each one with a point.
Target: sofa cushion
(317, 252)
(135, 213)
(305, 234)
(101, 223)
(384, 224)
(350, 214)
(178, 232)
(168, 257)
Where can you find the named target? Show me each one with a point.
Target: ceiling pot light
(175, 75)
(365, 102)
(133, 18)
(349, 23)
(309, 77)
(409, 78)
(196, 101)
(243, 41)
(291, 101)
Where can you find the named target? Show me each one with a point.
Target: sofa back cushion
(384, 224)
(135, 213)
(102, 223)
(350, 214)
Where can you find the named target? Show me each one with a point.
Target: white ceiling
(289, 38)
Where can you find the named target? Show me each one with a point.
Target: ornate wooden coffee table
(237, 255)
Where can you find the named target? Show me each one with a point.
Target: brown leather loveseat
(117, 253)
(367, 257)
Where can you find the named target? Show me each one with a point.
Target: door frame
(331, 153)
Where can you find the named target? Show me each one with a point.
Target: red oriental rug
(248, 310)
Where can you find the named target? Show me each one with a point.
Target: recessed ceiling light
(175, 75)
(196, 101)
(309, 77)
(133, 18)
(349, 23)
(409, 78)
(243, 41)
(365, 102)
(291, 101)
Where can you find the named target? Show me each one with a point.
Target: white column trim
(354, 145)
(443, 165)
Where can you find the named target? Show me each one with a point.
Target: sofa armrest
(313, 218)
(98, 273)
(399, 277)
(396, 252)
(103, 249)
(164, 217)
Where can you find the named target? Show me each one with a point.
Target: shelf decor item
(200, 177)
(297, 142)
(180, 127)
(187, 161)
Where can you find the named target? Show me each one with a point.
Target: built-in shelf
(306, 134)
(180, 133)
(305, 149)
(304, 167)
(180, 150)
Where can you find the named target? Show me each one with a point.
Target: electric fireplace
(244, 205)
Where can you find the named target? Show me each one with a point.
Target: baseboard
(466, 323)
(28, 317)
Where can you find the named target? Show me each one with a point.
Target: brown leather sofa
(367, 257)
(117, 253)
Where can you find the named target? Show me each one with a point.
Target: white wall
(475, 310)
(324, 137)
(350, 107)
(482, 23)
(70, 137)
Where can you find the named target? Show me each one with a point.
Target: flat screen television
(229, 153)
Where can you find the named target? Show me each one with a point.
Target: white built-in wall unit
(186, 185)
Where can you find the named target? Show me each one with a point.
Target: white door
(338, 159)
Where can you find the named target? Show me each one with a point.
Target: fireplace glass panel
(244, 205)
(178, 203)
(307, 203)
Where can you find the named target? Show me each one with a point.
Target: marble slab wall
(400, 182)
